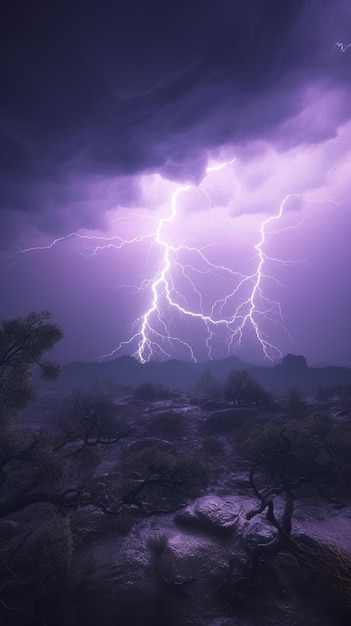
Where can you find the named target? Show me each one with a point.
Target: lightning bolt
(242, 307)
(342, 47)
(271, 309)
(108, 242)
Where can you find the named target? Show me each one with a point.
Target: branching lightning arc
(241, 304)
(342, 47)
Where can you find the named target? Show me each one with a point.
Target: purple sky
(175, 176)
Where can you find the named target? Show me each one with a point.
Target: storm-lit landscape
(217, 503)
(175, 365)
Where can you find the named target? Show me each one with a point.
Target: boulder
(112, 583)
(210, 513)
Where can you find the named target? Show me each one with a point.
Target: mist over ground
(175, 190)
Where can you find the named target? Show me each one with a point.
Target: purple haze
(108, 109)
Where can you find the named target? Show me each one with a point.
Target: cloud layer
(107, 105)
(108, 90)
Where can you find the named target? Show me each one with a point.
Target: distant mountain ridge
(183, 375)
(294, 371)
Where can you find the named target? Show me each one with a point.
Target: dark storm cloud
(93, 89)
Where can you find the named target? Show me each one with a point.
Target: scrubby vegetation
(91, 465)
(241, 388)
(151, 392)
(308, 445)
(169, 424)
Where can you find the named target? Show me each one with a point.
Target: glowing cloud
(210, 254)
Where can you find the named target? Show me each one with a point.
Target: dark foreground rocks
(185, 570)
(165, 528)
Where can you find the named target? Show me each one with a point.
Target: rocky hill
(182, 375)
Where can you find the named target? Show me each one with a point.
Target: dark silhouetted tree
(295, 405)
(325, 568)
(90, 420)
(241, 387)
(23, 344)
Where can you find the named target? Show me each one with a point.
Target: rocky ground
(179, 558)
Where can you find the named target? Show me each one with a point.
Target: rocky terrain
(158, 521)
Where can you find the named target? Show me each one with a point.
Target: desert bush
(325, 569)
(294, 404)
(225, 420)
(345, 399)
(148, 476)
(241, 387)
(50, 468)
(178, 472)
(35, 466)
(213, 446)
(46, 557)
(325, 392)
(91, 417)
(13, 442)
(151, 392)
(338, 395)
(23, 344)
(168, 423)
(331, 392)
(157, 543)
(90, 456)
(302, 446)
(112, 486)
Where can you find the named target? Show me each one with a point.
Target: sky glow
(193, 207)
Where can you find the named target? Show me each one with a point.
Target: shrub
(91, 417)
(173, 472)
(326, 569)
(225, 420)
(241, 387)
(24, 342)
(301, 446)
(212, 446)
(90, 456)
(332, 392)
(168, 423)
(157, 543)
(38, 465)
(151, 392)
(47, 556)
(294, 406)
(13, 442)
